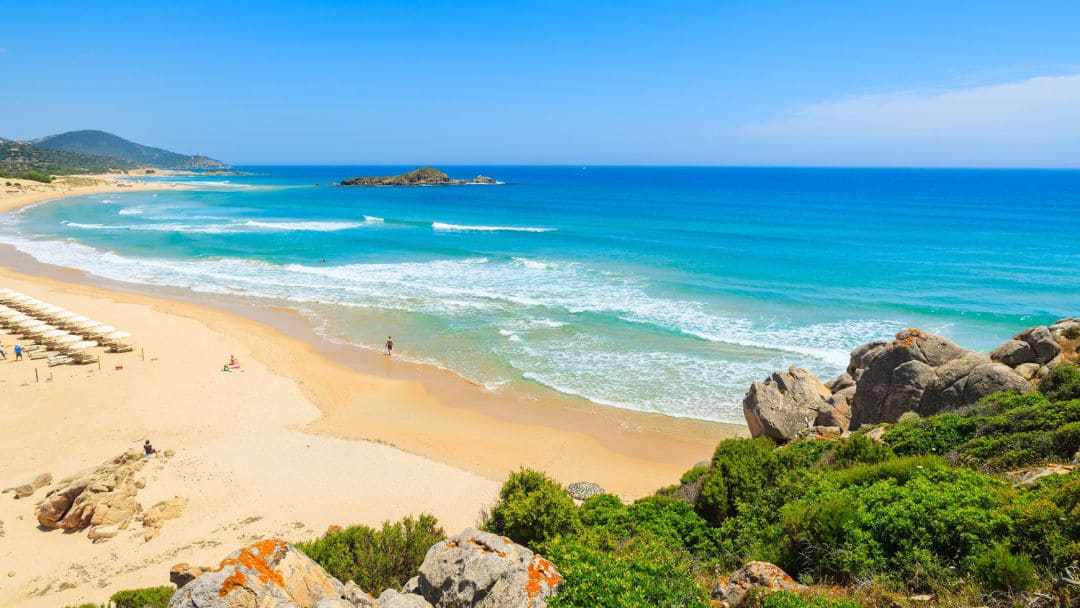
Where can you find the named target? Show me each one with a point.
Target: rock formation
(583, 490)
(784, 404)
(923, 373)
(474, 569)
(731, 592)
(104, 496)
(915, 372)
(425, 176)
(268, 573)
(484, 570)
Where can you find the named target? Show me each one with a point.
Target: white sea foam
(461, 228)
(304, 226)
(521, 300)
(130, 211)
(371, 219)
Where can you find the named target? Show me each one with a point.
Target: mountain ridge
(100, 143)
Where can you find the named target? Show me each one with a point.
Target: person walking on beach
(3, 355)
(389, 346)
(18, 353)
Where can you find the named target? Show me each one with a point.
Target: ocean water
(657, 289)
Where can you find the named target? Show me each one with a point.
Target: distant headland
(425, 176)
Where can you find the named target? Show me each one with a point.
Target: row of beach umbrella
(54, 326)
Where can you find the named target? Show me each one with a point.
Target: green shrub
(914, 517)
(1073, 332)
(934, 435)
(670, 520)
(37, 177)
(148, 597)
(376, 559)
(1002, 570)
(532, 508)
(1062, 384)
(860, 449)
(693, 474)
(762, 598)
(641, 573)
(742, 472)
(908, 417)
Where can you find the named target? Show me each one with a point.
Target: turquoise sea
(656, 289)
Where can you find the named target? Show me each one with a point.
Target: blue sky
(907, 83)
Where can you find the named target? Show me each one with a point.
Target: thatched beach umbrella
(81, 345)
(68, 339)
(101, 330)
(119, 335)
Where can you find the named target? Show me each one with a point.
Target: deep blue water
(660, 289)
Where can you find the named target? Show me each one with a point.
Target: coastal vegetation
(376, 559)
(100, 143)
(21, 160)
(928, 510)
(89, 152)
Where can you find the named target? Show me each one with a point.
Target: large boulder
(104, 496)
(784, 404)
(732, 591)
(1037, 344)
(923, 373)
(394, 599)
(267, 574)
(1066, 329)
(482, 570)
(1014, 353)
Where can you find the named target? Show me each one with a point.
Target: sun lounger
(59, 360)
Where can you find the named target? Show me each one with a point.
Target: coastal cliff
(424, 176)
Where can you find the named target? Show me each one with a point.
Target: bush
(1073, 332)
(37, 177)
(935, 435)
(641, 573)
(376, 559)
(742, 472)
(914, 517)
(1062, 384)
(860, 449)
(670, 520)
(761, 598)
(532, 508)
(693, 474)
(908, 417)
(1003, 570)
(148, 597)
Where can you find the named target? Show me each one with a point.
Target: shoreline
(440, 397)
(311, 433)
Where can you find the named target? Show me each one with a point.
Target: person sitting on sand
(233, 361)
(149, 449)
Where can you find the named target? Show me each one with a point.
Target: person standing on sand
(18, 353)
(3, 355)
(389, 346)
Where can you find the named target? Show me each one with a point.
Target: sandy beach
(306, 435)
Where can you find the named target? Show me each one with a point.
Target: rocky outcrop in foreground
(425, 176)
(730, 592)
(473, 568)
(102, 500)
(915, 372)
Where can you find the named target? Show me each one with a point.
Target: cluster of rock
(730, 592)
(915, 372)
(102, 500)
(584, 490)
(425, 176)
(473, 568)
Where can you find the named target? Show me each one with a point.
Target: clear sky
(911, 83)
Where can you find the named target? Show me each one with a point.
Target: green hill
(23, 160)
(100, 143)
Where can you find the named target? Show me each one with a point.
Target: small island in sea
(424, 176)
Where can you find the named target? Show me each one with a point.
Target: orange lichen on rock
(541, 573)
(255, 558)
